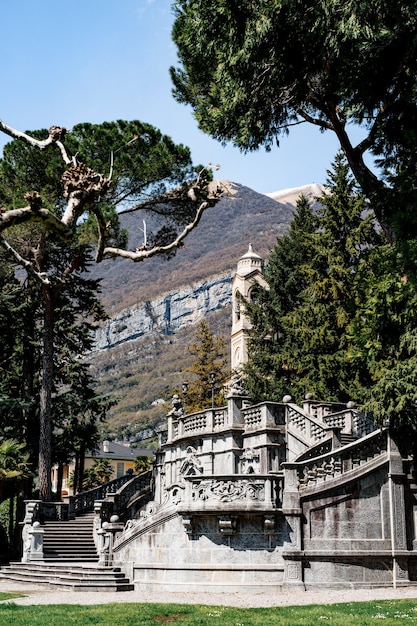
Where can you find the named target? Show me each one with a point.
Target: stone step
(70, 540)
(75, 578)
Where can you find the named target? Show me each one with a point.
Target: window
(120, 470)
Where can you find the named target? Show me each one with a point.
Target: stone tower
(249, 272)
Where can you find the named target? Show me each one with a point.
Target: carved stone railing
(267, 414)
(84, 501)
(119, 501)
(263, 491)
(314, 430)
(199, 423)
(362, 424)
(312, 472)
(309, 428)
(264, 415)
(350, 421)
(106, 500)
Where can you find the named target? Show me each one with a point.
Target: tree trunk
(81, 468)
(76, 473)
(45, 426)
(30, 418)
(60, 475)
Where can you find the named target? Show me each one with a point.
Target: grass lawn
(9, 596)
(384, 612)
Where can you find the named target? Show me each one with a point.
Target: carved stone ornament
(236, 388)
(228, 490)
(177, 408)
(191, 466)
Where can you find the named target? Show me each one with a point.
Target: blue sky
(97, 60)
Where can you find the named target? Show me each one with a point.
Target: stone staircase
(70, 540)
(70, 560)
(75, 577)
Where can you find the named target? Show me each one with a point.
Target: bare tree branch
(56, 133)
(314, 120)
(40, 276)
(83, 187)
(28, 214)
(214, 191)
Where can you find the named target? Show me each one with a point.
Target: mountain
(154, 305)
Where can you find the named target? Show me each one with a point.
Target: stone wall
(246, 559)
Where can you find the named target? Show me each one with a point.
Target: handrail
(304, 425)
(139, 485)
(339, 461)
(84, 501)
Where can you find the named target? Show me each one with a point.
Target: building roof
(118, 451)
(250, 254)
(249, 262)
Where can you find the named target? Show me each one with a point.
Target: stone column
(235, 403)
(291, 509)
(398, 525)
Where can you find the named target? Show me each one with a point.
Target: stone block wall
(244, 554)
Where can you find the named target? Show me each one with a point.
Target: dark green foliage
(383, 334)
(251, 70)
(269, 375)
(301, 341)
(344, 237)
(141, 163)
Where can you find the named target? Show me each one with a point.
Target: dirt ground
(42, 595)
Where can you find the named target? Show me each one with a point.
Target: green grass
(9, 596)
(386, 613)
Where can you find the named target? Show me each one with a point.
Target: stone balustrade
(210, 421)
(229, 492)
(264, 415)
(199, 423)
(308, 427)
(311, 472)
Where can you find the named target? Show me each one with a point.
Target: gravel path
(40, 595)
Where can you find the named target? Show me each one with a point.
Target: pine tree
(384, 335)
(208, 369)
(80, 179)
(344, 238)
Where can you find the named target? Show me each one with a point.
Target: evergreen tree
(251, 71)
(268, 375)
(208, 369)
(384, 336)
(344, 237)
(301, 340)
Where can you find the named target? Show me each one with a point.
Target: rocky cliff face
(167, 314)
